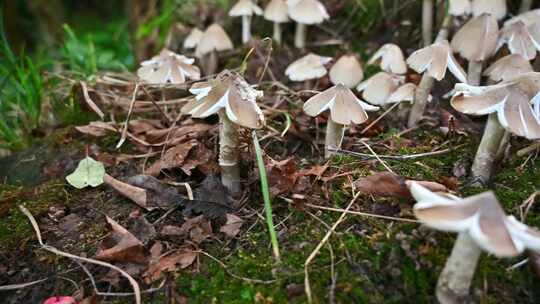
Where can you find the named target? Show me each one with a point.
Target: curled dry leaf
(386, 184)
(173, 157)
(198, 229)
(179, 259)
(137, 195)
(121, 246)
(232, 226)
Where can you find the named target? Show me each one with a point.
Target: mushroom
(497, 8)
(192, 40)
(347, 71)
(245, 9)
(304, 13)
(277, 12)
(521, 38)
(391, 58)
(213, 40)
(482, 226)
(459, 7)
(509, 106)
(311, 66)
(168, 67)
(377, 89)
(403, 93)
(528, 18)
(234, 100)
(476, 41)
(507, 67)
(432, 61)
(345, 108)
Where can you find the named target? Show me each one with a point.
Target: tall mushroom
(245, 9)
(168, 67)
(277, 12)
(213, 40)
(304, 13)
(476, 41)
(391, 59)
(481, 224)
(347, 70)
(345, 108)
(234, 100)
(193, 38)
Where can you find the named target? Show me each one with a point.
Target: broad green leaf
(88, 173)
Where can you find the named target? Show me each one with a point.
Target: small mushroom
(245, 9)
(404, 93)
(345, 108)
(507, 67)
(476, 41)
(311, 66)
(234, 100)
(304, 13)
(213, 40)
(192, 40)
(168, 67)
(347, 71)
(277, 12)
(377, 89)
(497, 8)
(460, 7)
(391, 59)
(482, 226)
(528, 18)
(521, 39)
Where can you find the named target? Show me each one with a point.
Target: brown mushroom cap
(377, 89)
(347, 70)
(307, 11)
(168, 67)
(192, 40)
(477, 39)
(460, 7)
(435, 59)
(507, 67)
(311, 66)
(392, 59)
(345, 107)
(245, 8)
(497, 8)
(521, 39)
(214, 39)
(277, 11)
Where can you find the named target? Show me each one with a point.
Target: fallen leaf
(170, 230)
(387, 184)
(96, 128)
(202, 158)
(173, 158)
(316, 170)
(121, 246)
(135, 194)
(88, 173)
(282, 176)
(232, 226)
(198, 229)
(179, 259)
(141, 228)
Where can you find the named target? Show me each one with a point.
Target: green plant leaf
(88, 173)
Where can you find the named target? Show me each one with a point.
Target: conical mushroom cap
(507, 67)
(477, 39)
(307, 11)
(245, 8)
(460, 7)
(481, 216)
(277, 11)
(168, 67)
(345, 107)
(497, 8)
(403, 93)
(214, 39)
(392, 59)
(228, 91)
(310, 66)
(435, 59)
(520, 40)
(192, 40)
(377, 89)
(347, 70)
(528, 18)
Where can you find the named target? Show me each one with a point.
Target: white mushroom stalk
(168, 67)
(245, 9)
(427, 22)
(345, 108)
(230, 96)
(482, 226)
(277, 12)
(525, 6)
(304, 13)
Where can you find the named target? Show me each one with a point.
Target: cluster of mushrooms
(509, 95)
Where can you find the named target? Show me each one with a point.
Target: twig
(126, 124)
(391, 218)
(134, 284)
(377, 157)
(379, 118)
(527, 204)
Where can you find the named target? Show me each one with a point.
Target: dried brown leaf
(387, 184)
(121, 246)
(232, 226)
(173, 158)
(179, 259)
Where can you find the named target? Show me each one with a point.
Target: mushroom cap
(521, 39)
(507, 67)
(307, 11)
(460, 7)
(228, 91)
(497, 8)
(392, 59)
(168, 67)
(245, 8)
(345, 107)
(347, 70)
(310, 66)
(435, 59)
(277, 11)
(192, 40)
(377, 89)
(214, 39)
(528, 18)
(477, 39)
(403, 93)
(481, 216)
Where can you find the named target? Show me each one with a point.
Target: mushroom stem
(228, 154)
(277, 32)
(427, 21)
(474, 72)
(334, 136)
(525, 6)
(246, 29)
(487, 150)
(211, 63)
(455, 279)
(422, 93)
(503, 146)
(300, 36)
